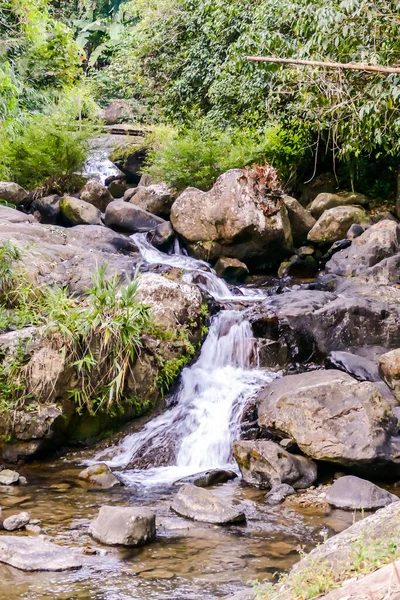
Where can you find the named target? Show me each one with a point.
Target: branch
(331, 65)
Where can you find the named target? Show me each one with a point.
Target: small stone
(33, 529)
(355, 231)
(17, 521)
(22, 480)
(8, 477)
(278, 493)
(201, 505)
(100, 475)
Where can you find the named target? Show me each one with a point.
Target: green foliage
(196, 157)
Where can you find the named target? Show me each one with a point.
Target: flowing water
(188, 561)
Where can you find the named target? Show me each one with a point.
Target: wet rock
(208, 478)
(334, 223)
(342, 420)
(163, 235)
(12, 193)
(389, 369)
(231, 269)
(123, 526)
(35, 554)
(354, 231)
(48, 208)
(100, 476)
(359, 367)
(131, 163)
(97, 194)
(301, 220)
(266, 464)
(302, 267)
(379, 242)
(336, 247)
(156, 199)
(16, 522)
(119, 187)
(127, 217)
(240, 217)
(350, 492)
(77, 212)
(325, 201)
(8, 477)
(278, 493)
(201, 505)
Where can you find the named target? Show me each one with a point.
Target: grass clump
(367, 554)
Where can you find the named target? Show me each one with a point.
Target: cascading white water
(205, 418)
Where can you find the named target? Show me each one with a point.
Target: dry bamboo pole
(330, 65)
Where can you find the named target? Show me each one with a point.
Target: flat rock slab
(124, 526)
(35, 554)
(350, 492)
(201, 505)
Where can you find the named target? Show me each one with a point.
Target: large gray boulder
(12, 193)
(97, 194)
(77, 212)
(352, 493)
(301, 220)
(378, 243)
(334, 223)
(330, 416)
(124, 216)
(240, 217)
(266, 464)
(327, 200)
(201, 505)
(389, 368)
(36, 554)
(156, 199)
(123, 526)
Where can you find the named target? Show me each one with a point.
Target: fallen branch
(330, 65)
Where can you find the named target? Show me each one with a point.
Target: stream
(188, 560)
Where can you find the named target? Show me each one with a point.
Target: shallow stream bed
(188, 561)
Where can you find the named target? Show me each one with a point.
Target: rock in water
(331, 416)
(208, 478)
(278, 493)
(266, 464)
(16, 521)
(334, 223)
(100, 475)
(35, 554)
(351, 492)
(123, 526)
(201, 505)
(231, 269)
(240, 217)
(8, 477)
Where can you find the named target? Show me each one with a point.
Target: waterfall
(205, 413)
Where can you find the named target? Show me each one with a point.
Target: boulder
(352, 493)
(231, 269)
(118, 111)
(327, 200)
(208, 478)
(48, 208)
(97, 194)
(378, 243)
(36, 554)
(77, 212)
(12, 193)
(389, 369)
(119, 187)
(240, 217)
(123, 526)
(360, 367)
(100, 476)
(331, 417)
(278, 493)
(265, 464)
(326, 182)
(201, 505)
(301, 267)
(124, 216)
(334, 223)
(130, 162)
(16, 522)
(156, 199)
(163, 235)
(301, 220)
(8, 477)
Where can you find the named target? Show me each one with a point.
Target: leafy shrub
(196, 157)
